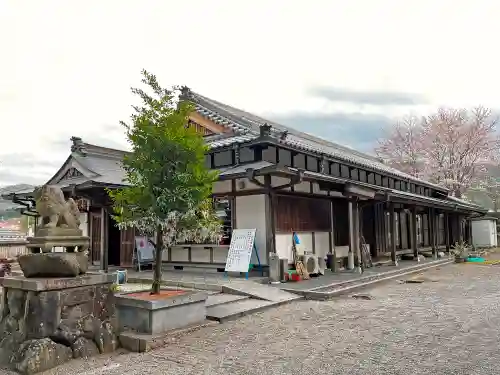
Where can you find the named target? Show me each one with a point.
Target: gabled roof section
(241, 122)
(90, 163)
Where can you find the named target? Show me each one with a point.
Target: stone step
(260, 291)
(234, 310)
(222, 298)
(323, 294)
(377, 276)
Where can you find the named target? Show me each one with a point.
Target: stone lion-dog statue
(56, 212)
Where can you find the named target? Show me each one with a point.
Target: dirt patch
(363, 296)
(155, 297)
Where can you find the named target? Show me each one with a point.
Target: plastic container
(121, 277)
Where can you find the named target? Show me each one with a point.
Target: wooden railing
(11, 248)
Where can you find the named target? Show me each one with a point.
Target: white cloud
(66, 67)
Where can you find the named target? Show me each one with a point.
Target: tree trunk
(158, 261)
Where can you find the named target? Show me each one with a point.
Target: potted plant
(461, 251)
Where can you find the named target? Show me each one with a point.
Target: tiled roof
(239, 169)
(243, 122)
(227, 141)
(109, 170)
(106, 164)
(448, 201)
(245, 127)
(215, 117)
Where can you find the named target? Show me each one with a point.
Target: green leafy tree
(169, 191)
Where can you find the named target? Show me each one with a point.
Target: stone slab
(59, 240)
(57, 232)
(345, 278)
(374, 276)
(338, 291)
(235, 310)
(46, 244)
(219, 299)
(46, 284)
(260, 291)
(141, 342)
(158, 316)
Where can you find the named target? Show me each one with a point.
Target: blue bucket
(121, 277)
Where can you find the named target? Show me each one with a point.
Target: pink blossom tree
(450, 147)
(402, 146)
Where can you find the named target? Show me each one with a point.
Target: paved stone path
(449, 324)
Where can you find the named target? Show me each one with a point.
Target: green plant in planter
(115, 288)
(461, 251)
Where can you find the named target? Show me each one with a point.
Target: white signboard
(240, 250)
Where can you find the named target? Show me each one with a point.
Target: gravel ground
(446, 325)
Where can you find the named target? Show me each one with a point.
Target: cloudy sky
(339, 69)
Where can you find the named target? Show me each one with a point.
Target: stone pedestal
(53, 264)
(42, 262)
(46, 239)
(145, 317)
(46, 322)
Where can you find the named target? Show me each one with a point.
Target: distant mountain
(5, 205)
(15, 188)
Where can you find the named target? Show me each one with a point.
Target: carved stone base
(58, 232)
(46, 322)
(53, 264)
(45, 244)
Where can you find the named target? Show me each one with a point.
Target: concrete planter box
(137, 312)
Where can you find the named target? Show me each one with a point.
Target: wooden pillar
(393, 233)
(454, 230)
(270, 222)
(436, 231)
(105, 257)
(432, 229)
(470, 239)
(332, 238)
(447, 231)
(350, 254)
(461, 221)
(385, 230)
(357, 246)
(413, 231)
(102, 242)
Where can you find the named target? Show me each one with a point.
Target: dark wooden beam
(102, 239)
(332, 238)
(432, 232)
(357, 246)
(393, 233)
(447, 230)
(270, 222)
(470, 239)
(350, 255)
(413, 231)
